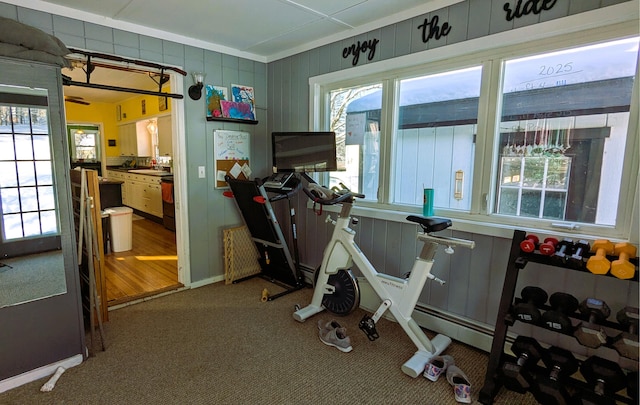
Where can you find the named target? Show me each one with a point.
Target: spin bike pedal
(368, 326)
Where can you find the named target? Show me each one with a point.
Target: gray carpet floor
(32, 277)
(220, 344)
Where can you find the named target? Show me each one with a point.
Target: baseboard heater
(307, 273)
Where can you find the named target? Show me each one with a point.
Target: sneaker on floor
(461, 384)
(436, 366)
(337, 337)
(324, 327)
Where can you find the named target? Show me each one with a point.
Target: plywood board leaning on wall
(98, 259)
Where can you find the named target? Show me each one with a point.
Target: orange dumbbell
(598, 263)
(623, 268)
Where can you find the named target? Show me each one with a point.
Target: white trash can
(121, 230)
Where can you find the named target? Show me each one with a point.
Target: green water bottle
(427, 206)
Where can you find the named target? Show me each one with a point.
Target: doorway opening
(156, 262)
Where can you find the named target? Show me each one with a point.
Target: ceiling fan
(76, 99)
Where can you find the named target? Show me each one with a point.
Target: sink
(152, 172)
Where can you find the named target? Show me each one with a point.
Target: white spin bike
(337, 291)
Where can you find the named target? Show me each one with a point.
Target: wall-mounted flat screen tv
(304, 151)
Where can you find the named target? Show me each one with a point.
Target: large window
(564, 125)
(434, 141)
(539, 139)
(28, 209)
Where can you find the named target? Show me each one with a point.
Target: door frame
(179, 149)
(179, 173)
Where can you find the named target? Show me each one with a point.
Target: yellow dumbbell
(598, 263)
(623, 268)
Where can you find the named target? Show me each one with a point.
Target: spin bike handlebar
(281, 194)
(325, 196)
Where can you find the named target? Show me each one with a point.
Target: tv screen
(304, 151)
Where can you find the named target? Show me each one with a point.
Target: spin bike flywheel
(346, 296)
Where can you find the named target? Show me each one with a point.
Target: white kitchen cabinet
(165, 136)
(152, 199)
(143, 193)
(133, 141)
(128, 142)
(135, 191)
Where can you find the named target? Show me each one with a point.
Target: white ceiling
(262, 30)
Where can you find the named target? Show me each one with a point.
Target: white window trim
(598, 25)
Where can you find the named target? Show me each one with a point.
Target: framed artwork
(162, 103)
(234, 109)
(242, 104)
(214, 96)
(118, 112)
(144, 107)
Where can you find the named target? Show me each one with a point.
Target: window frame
(45, 241)
(494, 50)
(73, 146)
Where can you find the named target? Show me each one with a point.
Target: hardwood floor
(151, 267)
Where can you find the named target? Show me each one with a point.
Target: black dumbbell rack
(517, 261)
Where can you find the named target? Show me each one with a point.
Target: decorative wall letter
(529, 6)
(361, 47)
(430, 29)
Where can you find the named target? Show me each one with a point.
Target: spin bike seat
(430, 224)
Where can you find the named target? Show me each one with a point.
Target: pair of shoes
(436, 366)
(461, 384)
(332, 334)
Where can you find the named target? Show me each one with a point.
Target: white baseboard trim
(197, 284)
(151, 297)
(457, 328)
(38, 373)
(207, 281)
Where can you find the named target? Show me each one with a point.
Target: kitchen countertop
(150, 172)
(118, 169)
(141, 170)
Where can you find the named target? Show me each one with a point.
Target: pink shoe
(436, 366)
(461, 384)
